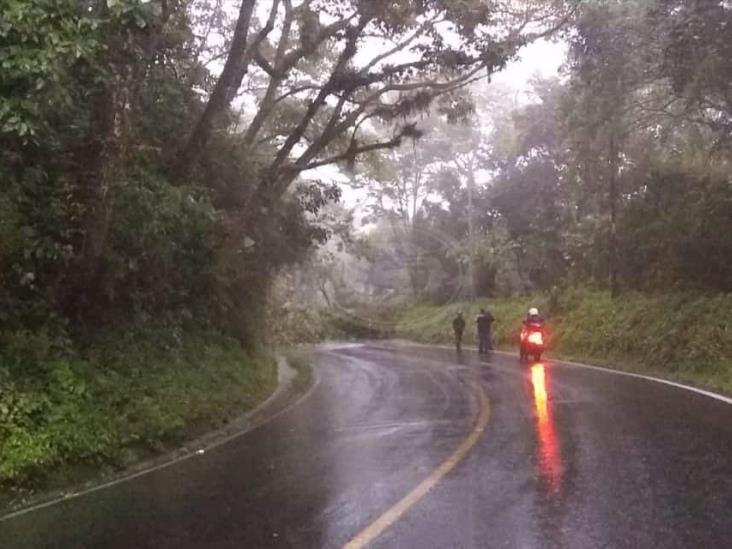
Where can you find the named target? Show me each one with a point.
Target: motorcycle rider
(533, 317)
(533, 322)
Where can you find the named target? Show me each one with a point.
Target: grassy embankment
(681, 336)
(66, 416)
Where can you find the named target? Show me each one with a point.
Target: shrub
(127, 393)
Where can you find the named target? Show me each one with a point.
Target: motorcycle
(531, 342)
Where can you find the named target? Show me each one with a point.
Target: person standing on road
(483, 322)
(458, 325)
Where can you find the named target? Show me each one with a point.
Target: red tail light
(536, 338)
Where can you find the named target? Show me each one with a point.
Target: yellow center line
(389, 517)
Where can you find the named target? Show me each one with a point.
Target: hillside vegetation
(683, 336)
(129, 396)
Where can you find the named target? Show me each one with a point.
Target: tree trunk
(86, 291)
(224, 91)
(324, 293)
(471, 233)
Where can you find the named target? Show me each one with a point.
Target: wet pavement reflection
(549, 458)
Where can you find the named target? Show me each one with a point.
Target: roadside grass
(681, 336)
(66, 415)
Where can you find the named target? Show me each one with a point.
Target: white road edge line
(704, 392)
(194, 453)
(558, 362)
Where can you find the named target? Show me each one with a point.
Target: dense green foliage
(679, 335)
(95, 229)
(129, 395)
(616, 175)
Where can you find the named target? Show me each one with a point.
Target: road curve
(566, 457)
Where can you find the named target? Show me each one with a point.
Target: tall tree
(375, 60)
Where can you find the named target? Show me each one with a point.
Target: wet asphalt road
(570, 457)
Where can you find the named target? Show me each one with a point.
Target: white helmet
(534, 311)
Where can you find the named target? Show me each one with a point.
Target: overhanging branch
(354, 151)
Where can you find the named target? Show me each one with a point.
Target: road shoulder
(295, 381)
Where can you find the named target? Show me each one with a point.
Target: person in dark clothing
(483, 321)
(458, 326)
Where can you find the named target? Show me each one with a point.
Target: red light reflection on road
(549, 457)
